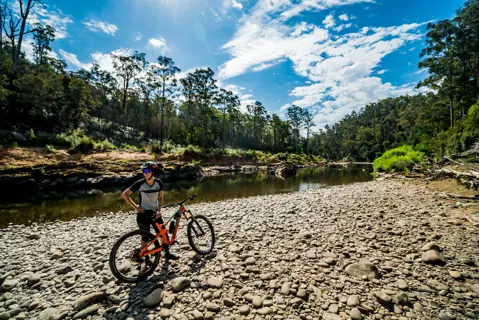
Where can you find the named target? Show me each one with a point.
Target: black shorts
(145, 220)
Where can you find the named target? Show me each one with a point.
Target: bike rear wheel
(201, 235)
(125, 263)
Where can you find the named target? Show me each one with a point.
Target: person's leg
(143, 220)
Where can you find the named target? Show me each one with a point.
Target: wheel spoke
(125, 262)
(201, 235)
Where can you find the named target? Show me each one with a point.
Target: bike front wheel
(201, 235)
(125, 262)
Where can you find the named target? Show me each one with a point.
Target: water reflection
(89, 203)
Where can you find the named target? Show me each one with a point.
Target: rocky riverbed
(375, 250)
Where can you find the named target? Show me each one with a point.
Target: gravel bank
(375, 250)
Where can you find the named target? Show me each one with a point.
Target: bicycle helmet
(149, 165)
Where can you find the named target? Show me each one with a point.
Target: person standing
(151, 199)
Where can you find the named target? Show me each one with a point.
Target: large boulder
(89, 299)
(154, 298)
(180, 284)
(433, 257)
(363, 270)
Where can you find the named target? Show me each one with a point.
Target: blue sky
(330, 56)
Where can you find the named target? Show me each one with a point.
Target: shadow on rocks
(199, 262)
(134, 307)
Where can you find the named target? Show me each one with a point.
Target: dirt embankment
(34, 170)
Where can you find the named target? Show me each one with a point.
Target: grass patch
(399, 159)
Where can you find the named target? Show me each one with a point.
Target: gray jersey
(148, 194)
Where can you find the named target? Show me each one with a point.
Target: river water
(92, 202)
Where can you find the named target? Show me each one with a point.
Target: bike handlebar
(181, 202)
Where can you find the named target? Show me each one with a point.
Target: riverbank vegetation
(399, 159)
(145, 106)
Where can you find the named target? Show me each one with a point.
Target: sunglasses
(146, 170)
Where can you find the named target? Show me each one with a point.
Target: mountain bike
(130, 263)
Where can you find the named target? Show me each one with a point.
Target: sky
(329, 56)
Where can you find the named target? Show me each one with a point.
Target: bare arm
(161, 201)
(126, 195)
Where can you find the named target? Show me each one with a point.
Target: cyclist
(151, 196)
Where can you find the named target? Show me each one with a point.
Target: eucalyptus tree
(127, 68)
(308, 124)
(165, 87)
(226, 101)
(295, 115)
(43, 36)
(204, 89)
(439, 58)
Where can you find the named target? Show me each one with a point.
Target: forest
(146, 103)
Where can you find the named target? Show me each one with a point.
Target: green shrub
(398, 159)
(193, 149)
(155, 146)
(104, 145)
(126, 146)
(31, 136)
(169, 146)
(50, 148)
(297, 158)
(85, 144)
(232, 152)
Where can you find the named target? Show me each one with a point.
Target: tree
(295, 116)
(204, 88)
(308, 124)
(468, 29)
(3, 20)
(440, 60)
(258, 113)
(226, 102)
(42, 37)
(127, 68)
(166, 86)
(25, 9)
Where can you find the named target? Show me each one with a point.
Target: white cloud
(339, 67)
(421, 71)
(96, 25)
(265, 66)
(54, 18)
(72, 60)
(138, 38)
(342, 27)
(316, 5)
(382, 71)
(158, 43)
(329, 21)
(344, 17)
(256, 44)
(233, 4)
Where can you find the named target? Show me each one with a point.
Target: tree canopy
(149, 97)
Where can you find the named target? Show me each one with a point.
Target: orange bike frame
(163, 235)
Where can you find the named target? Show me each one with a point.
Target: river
(67, 206)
